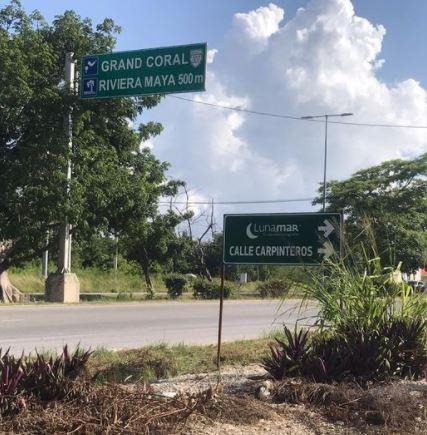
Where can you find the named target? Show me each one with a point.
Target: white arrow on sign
(327, 229)
(327, 250)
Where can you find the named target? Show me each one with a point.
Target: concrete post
(63, 286)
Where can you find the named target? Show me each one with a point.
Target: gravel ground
(240, 380)
(233, 380)
(295, 420)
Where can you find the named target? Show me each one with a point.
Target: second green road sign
(288, 239)
(150, 71)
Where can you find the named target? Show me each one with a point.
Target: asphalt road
(130, 325)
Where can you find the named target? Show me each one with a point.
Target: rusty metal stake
(221, 303)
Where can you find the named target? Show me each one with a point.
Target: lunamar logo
(249, 233)
(253, 231)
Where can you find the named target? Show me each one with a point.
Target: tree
(386, 205)
(112, 176)
(149, 241)
(94, 252)
(183, 252)
(213, 254)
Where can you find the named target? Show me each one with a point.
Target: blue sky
(368, 57)
(151, 23)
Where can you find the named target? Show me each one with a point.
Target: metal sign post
(221, 305)
(287, 239)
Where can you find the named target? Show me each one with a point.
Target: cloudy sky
(285, 57)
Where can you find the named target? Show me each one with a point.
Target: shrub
(204, 289)
(50, 378)
(46, 378)
(75, 364)
(274, 288)
(10, 376)
(394, 349)
(370, 327)
(175, 284)
(397, 349)
(378, 326)
(288, 359)
(406, 347)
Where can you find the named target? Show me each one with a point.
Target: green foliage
(175, 283)
(213, 254)
(113, 179)
(184, 256)
(275, 288)
(127, 279)
(370, 327)
(164, 361)
(362, 291)
(378, 326)
(386, 203)
(396, 348)
(148, 242)
(204, 289)
(94, 252)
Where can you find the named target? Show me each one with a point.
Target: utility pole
(45, 259)
(64, 265)
(63, 286)
(326, 116)
(116, 254)
(325, 162)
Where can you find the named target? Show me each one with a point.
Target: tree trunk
(204, 271)
(8, 292)
(150, 288)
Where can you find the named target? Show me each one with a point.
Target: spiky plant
(10, 376)
(288, 359)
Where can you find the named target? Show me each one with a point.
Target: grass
(30, 280)
(120, 286)
(163, 361)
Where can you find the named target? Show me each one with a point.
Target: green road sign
(304, 239)
(144, 72)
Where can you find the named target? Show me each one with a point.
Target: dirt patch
(277, 420)
(233, 380)
(396, 407)
(117, 409)
(205, 404)
(107, 409)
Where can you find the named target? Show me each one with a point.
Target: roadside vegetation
(114, 392)
(359, 366)
(126, 284)
(165, 361)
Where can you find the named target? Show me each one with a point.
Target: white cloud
(259, 24)
(325, 59)
(211, 55)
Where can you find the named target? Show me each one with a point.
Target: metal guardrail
(94, 295)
